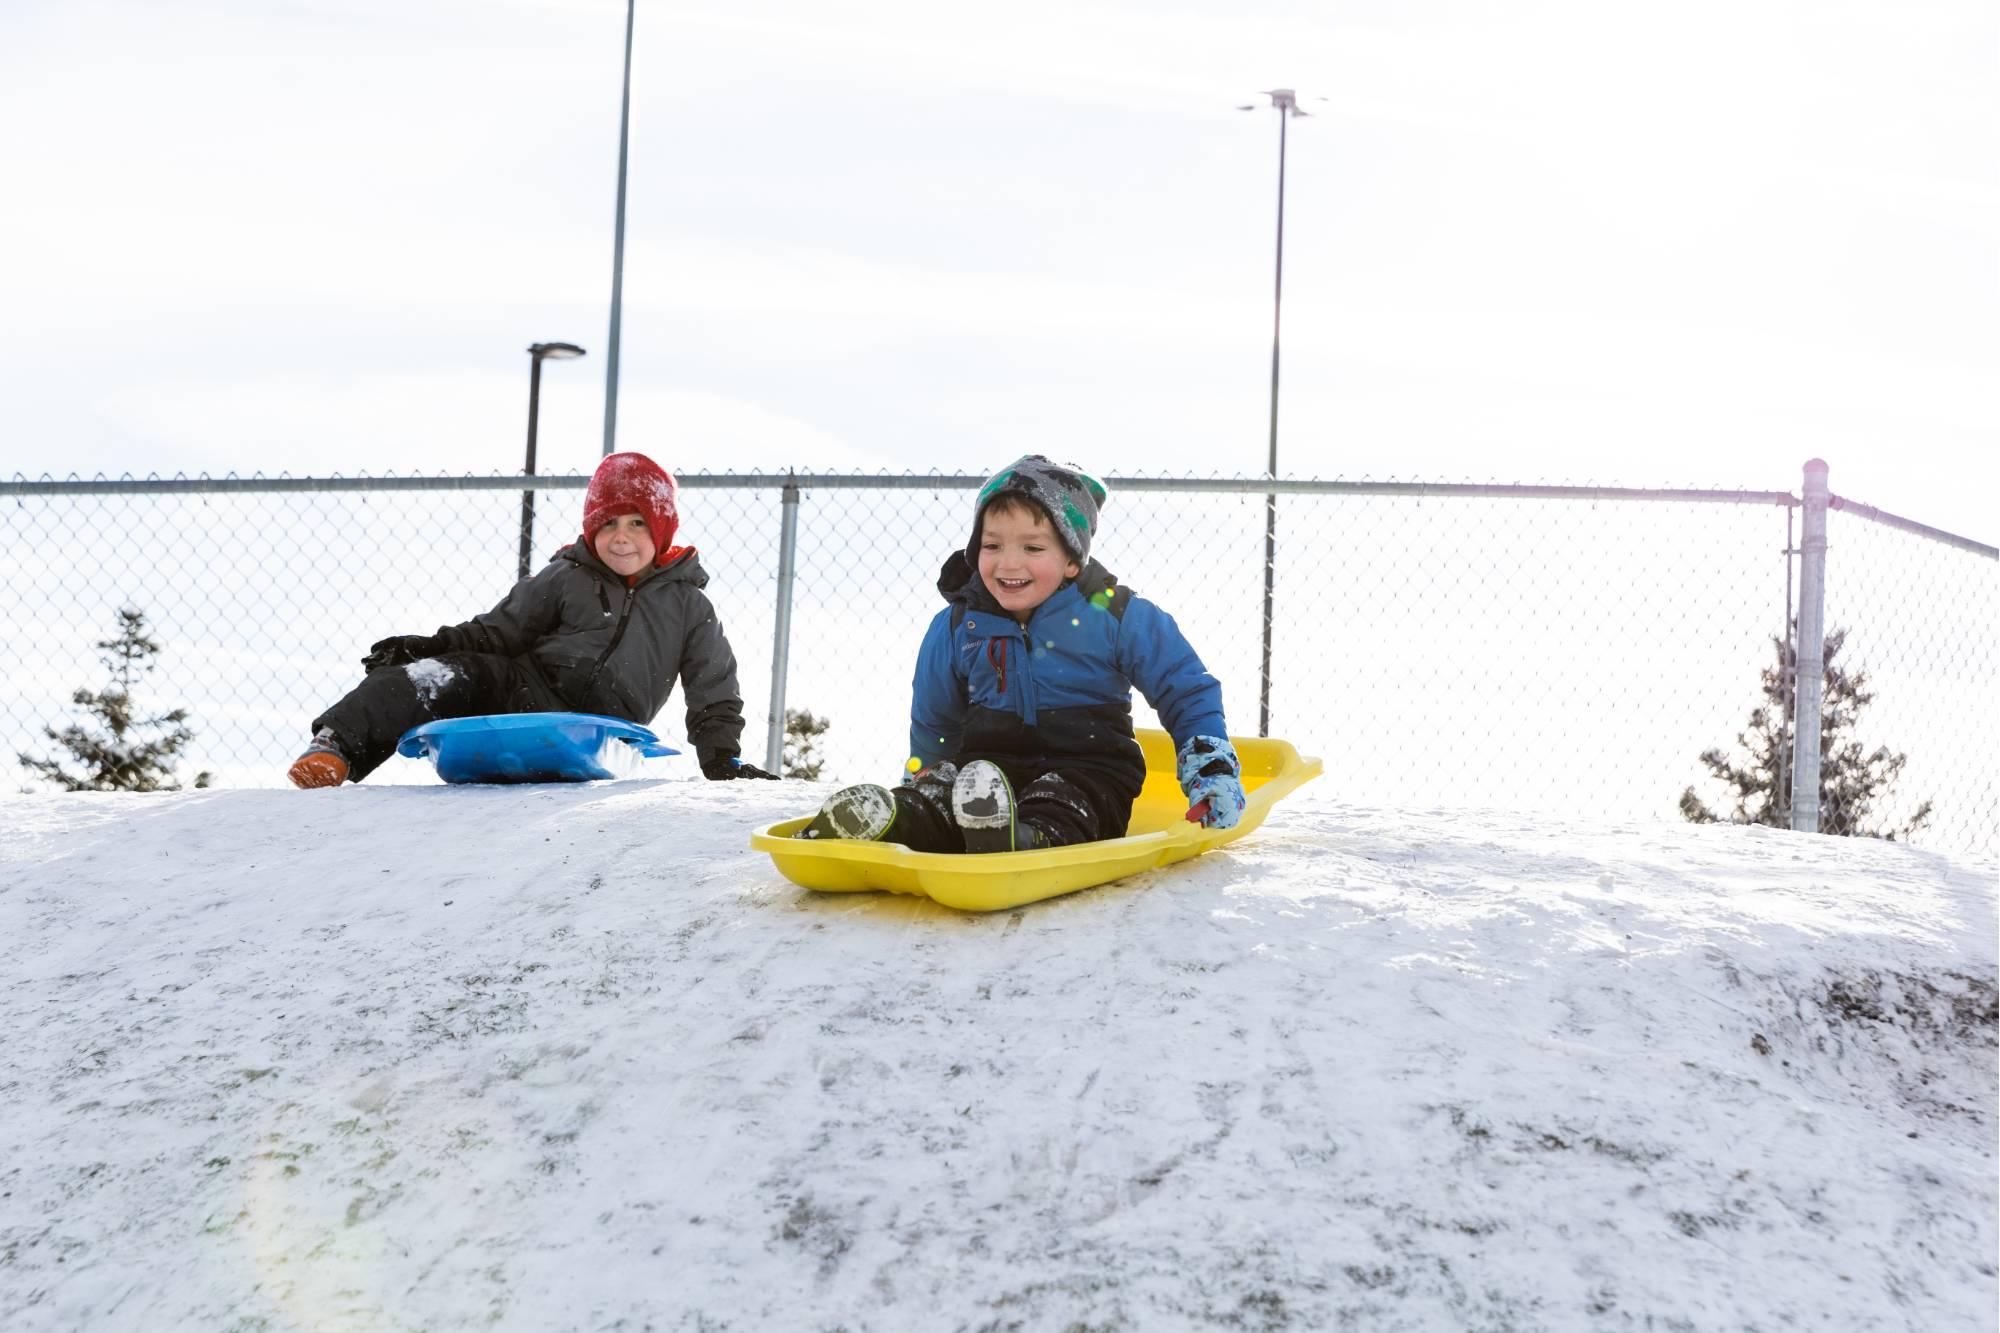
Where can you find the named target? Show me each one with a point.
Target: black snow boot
(982, 805)
(862, 813)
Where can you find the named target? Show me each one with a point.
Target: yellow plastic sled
(1160, 835)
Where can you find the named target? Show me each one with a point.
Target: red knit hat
(633, 484)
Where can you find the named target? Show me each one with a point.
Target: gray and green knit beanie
(1070, 497)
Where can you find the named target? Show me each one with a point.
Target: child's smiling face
(1020, 560)
(625, 544)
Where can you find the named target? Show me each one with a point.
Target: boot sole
(982, 805)
(860, 814)
(317, 769)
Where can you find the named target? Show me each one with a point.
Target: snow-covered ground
(575, 1058)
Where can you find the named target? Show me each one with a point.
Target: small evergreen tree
(115, 754)
(802, 733)
(1850, 781)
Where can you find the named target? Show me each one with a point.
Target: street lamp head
(1283, 100)
(537, 353)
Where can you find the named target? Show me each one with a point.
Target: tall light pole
(537, 353)
(1286, 103)
(618, 250)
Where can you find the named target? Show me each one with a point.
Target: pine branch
(1851, 782)
(116, 754)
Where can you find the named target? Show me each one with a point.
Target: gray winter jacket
(607, 648)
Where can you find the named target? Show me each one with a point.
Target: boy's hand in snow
(1211, 776)
(727, 768)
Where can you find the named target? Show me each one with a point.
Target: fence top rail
(21, 486)
(1883, 516)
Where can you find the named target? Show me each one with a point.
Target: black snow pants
(367, 723)
(1068, 806)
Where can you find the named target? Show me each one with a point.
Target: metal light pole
(537, 353)
(618, 250)
(1286, 102)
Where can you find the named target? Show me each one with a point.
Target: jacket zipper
(624, 618)
(996, 656)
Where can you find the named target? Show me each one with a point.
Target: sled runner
(1160, 835)
(532, 747)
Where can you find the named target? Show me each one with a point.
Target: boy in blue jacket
(1021, 715)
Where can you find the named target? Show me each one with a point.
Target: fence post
(1810, 651)
(1788, 680)
(1270, 580)
(781, 633)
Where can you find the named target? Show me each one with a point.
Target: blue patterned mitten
(1209, 771)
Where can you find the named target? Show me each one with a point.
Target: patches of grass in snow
(488, 1005)
(816, 1230)
(1953, 1009)
(1565, 1137)
(1929, 1038)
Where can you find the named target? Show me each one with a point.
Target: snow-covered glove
(1212, 777)
(401, 650)
(727, 768)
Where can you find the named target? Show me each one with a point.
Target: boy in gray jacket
(606, 627)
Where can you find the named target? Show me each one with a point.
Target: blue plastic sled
(532, 747)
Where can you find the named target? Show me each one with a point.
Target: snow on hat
(633, 484)
(1069, 496)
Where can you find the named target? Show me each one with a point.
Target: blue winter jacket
(1057, 692)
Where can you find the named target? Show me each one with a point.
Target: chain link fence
(1568, 649)
(1919, 618)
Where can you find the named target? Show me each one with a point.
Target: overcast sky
(1688, 243)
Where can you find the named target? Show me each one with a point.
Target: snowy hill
(575, 1058)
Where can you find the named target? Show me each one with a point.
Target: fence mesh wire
(1920, 623)
(1521, 650)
